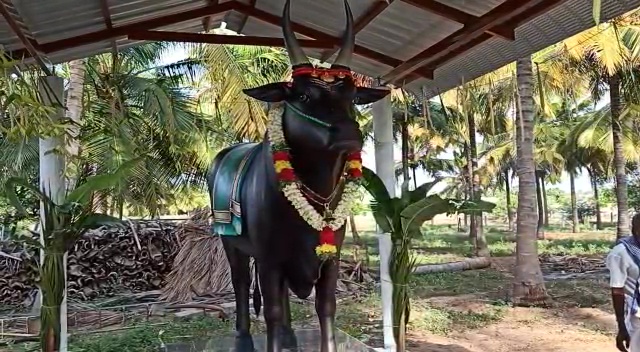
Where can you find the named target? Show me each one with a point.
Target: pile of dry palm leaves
(201, 268)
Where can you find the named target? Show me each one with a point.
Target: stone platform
(308, 341)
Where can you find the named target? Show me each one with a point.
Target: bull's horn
(296, 54)
(348, 40)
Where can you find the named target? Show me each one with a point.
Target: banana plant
(62, 224)
(402, 217)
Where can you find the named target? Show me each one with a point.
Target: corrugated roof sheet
(400, 31)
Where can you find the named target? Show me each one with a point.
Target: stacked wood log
(18, 274)
(135, 257)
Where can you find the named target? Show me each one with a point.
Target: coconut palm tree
(528, 283)
(607, 56)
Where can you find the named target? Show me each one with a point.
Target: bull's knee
(326, 307)
(273, 312)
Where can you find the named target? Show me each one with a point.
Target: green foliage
(402, 218)
(62, 223)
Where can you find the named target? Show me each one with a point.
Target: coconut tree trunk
(476, 230)
(404, 130)
(596, 198)
(507, 187)
(545, 200)
(540, 208)
(74, 114)
(528, 283)
(574, 206)
(618, 157)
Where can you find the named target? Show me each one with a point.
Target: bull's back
(225, 182)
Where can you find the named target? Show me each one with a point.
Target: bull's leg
(241, 279)
(326, 304)
(288, 336)
(272, 284)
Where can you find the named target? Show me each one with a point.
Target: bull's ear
(270, 93)
(366, 95)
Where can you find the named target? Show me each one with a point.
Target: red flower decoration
(287, 175)
(327, 236)
(355, 173)
(281, 156)
(355, 156)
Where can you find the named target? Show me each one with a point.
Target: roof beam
(510, 13)
(318, 35)
(19, 28)
(372, 12)
(224, 39)
(106, 15)
(206, 22)
(245, 17)
(466, 19)
(124, 30)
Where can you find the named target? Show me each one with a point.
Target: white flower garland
(293, 193)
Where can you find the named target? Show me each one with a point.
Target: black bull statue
(316, 115)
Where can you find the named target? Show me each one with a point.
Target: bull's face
(320, 103)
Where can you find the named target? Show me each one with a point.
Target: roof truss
(499, 22)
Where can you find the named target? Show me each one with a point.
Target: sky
(368, 157)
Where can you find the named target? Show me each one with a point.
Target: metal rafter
(224, 39)
(510, 13)
(318, 35)
(245, 17)
(106, 15)
(124, 30)
(19, 28)
(372, 12)
(466, 19)
(206, 22)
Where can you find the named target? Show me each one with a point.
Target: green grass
(443, 321)
(430, 310)
(442, 243)
(142, 337)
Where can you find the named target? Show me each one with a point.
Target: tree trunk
(596, 199)
(405, 151)
(415, 179)
(476, 231)
(528, 283)
(618, 158)
(574, 205)
(544, 199)
(467, 264)
(540, 208)
(74, 114)
(507, 187)
(354, 231)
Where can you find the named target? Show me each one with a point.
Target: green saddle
(227, 213)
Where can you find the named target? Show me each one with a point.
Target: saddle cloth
(228, 180)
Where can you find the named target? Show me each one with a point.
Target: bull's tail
(257, 295)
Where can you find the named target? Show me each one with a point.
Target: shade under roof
(427, 45)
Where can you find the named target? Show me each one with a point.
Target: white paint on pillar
(385, 169)
(52, 180)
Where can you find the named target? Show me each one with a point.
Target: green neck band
(308, 117)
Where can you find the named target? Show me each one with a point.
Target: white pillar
(52, 180)
(383, 137)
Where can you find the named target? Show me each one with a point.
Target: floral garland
(290, 186)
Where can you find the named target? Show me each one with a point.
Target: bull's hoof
(244, 343)
(288, 338)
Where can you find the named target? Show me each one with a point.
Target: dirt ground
(559, 329)
(529, 330)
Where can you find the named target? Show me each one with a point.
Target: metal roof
(424, 44)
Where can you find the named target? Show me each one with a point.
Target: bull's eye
(303, 98)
